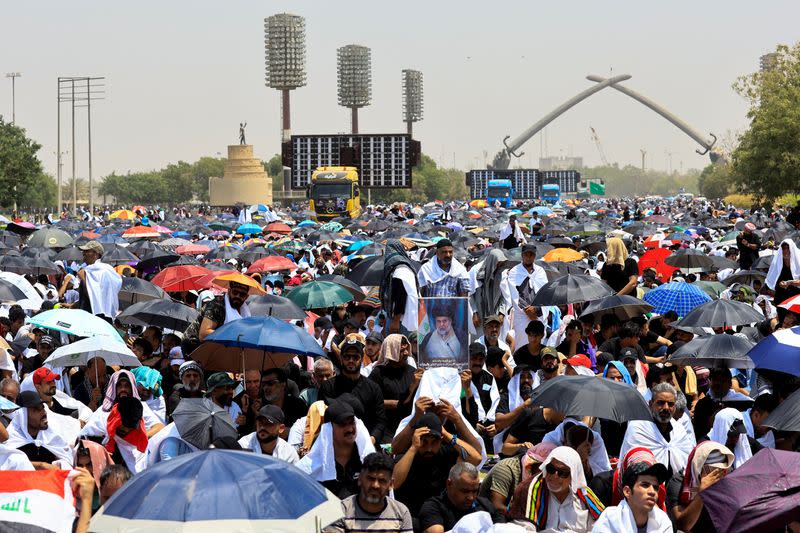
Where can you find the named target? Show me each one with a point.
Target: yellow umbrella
(225, 280)
(124, 214)
(566, 255)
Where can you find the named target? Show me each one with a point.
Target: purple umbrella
(761, 495)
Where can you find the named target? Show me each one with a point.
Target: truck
(334, 192)
(551, 193)
(500, 190)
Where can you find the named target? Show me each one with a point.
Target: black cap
(634, 470)
(375, 337)
(272, 413)
(29, 398)
(628, 353)
(339, 412)
(477, 349)
(444, 242)
(432, 422)
(48, 339)
(353, 323)
(528, 248)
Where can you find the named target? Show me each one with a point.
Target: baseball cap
(47, 339)
(628, 353)
(375, 337)
(528, 248)
(492, 318)
(477, 349)
(657, 470)
(352, 341)
(339, 412)
(219, 379)
(93, 246)
(29, 398)
(432, 422)
(579, 360)
(353, 323)
(44, 374)
(548, 350)
(272, 413)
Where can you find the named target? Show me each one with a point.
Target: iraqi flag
(36, 501)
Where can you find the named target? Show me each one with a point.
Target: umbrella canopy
(278, 227)
(138, 290)
(677, 296)
(69, 254)
(50, 238)
(141, 232)
(745, 277)
(778, 352)
(219, 490)
(655, 259)
(192, 249)
(200, 422)
(690, 258)
(119, 256)
(255, 342)
(224, 281)
(368, 272)
(223, 253)
(319, 294)
(10, 292)
(592, 396)
(180, 278)
(272, 263)
(720, 314)
(33, 300)
(249, 229)
(715, 351)
(78, 353)
(566, 255)
(570, 289)
(123, 214)
(167, 314)
(351, 287)
(276, 306)
(74, 322)
(786, 417)
(28, 265)
(770, 498)
(623, 307)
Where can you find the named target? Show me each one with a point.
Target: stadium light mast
(412, 98)
(285, 60)
(354, 68)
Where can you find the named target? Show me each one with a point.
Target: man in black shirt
(748, 242)
(486, 386)
(460, 498)
(273, 383)
(345, 451)
(350, 380)
(628, 337)
(528, 354)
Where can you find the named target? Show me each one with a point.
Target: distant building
(560, 163)
(767, 62)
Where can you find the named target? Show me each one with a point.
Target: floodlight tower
(412, 98)
(354, 68)
(285, 59)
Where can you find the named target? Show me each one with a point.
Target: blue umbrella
(677, 296)
(219, 490)
(255, 342)
(181, 234)
(356, 246)
(306, 223)
(541, 210)
(780, 351)
(249, 229)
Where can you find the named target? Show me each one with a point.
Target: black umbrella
(786, 417)
(689, 258)
(623, 307)
(593, 247)
(141, 247)
(715, 351)
(184, 260)
(351, 287)
(720, 314)
(745, 277)
(570, 289)
(254, 253)
(45, 253)
(50, 238)
(200, 422)
(721, 263)
(119, 256)
(10, 292)
(10, 239)
(135, 290)
(223, 253)
(592, 396)
(167, 314)
(368, 272)
(561, 242)
(69, 254)
(762, 263)
(276, 306)
(28, 265)
(156, 258)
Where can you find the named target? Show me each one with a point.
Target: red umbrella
(792, 304)
(180, 278)
(137, 232)
(655, 259)
(272, 263)
(192, 249)
(278, 227)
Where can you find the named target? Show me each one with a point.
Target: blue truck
(511, 186)
(551, 193)
(501, 191)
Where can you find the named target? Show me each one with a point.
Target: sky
(181, 75)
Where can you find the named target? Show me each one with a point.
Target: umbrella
(571, 289)
(720, 314)
(69, 254)
(715, 351)
(255, 342)
(78, 353)
(712, 288)
(745, 277)
(192, 249)
(219, 490)
(277, 227)
(786, 417)
(690, 258)
(33, 300)
(677, 296)
(119, 256)
(623, 307)
(274, 305)
(138, 290)
(368, 272)
(255, 253)
(50, 238)
(47, 254)
(74, 322)
(200, 422)
(791, 304)
(562, 254)
(585, 229)
(721, 263)
(123, 214)
(655, 259)
(659, 219)
(28, 265)
(10, 292)
(319, 294)
(249, 229)
(141, 232)
(174, 242)
(141, 247)
(223, 253)
(779, 352)
(352, 288)
(272, 263)
(156, 258)
(180, 278)
(166, 314)
(760, 495)
(592, 396)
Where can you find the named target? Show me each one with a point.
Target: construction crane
(599, 145)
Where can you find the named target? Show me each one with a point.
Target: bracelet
(453, 440)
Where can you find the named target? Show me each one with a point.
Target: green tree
(20, 168)
(202, 169)
(42, 193)
(274, 168)
(766, 163)
(715, 180)
(179, 178)
(82, 186)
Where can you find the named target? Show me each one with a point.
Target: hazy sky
(182, 74)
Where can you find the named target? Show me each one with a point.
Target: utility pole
(644, 153)
(14, 76)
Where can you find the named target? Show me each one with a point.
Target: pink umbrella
(192, 249)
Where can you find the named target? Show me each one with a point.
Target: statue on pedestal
(242, 126)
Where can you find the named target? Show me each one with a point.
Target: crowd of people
(407, 446)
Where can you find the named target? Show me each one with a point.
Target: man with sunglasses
(274, 388)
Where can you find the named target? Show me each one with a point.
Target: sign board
(383, 161)
(567, 180)
(443, 335)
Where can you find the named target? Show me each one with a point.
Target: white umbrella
(113, 352)
(74, 322)
(33, 300)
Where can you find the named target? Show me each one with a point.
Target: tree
(715, 181)
(766, 163)
(20, 168)
(42, 192)
(82, 186)
(274, 168)
(202, 169)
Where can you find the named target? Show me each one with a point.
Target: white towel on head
(320, 462)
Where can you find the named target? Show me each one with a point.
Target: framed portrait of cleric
(443, 336)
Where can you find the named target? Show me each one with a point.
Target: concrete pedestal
(245, 181)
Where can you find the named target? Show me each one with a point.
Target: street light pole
(13, 76)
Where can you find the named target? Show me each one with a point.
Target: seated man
(266, 438)
(371, 509)
(499, 484)
(191, 386)
(30, 433)
(126, 439)
(122, 384)
(440, 513)
(274, 384)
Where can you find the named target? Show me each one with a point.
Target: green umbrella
(319, 294)
(50, 238)
(712, 288)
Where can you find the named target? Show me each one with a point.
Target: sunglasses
(563, 474)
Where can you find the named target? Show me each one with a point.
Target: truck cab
(551, 193)
(499, 190)
(334, 192)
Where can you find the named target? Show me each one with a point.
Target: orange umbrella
(278, 227)
(566, 255)
(180, 278)
(272, 263)
(224, 281)
(138, 232)
(139, 209)
(123, 214)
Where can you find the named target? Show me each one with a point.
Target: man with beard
(31, 433)
(371, 509)
(488, 395)
(215, 313)
(442, 342)
(666, 437)
(441, 276)
(44, 380)
(191, 376)
(266, 438)
(88, 384)
(219, 387)
(274, 386)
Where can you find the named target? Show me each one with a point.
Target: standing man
(441, 276)
(399, 290)
(511, 235)
(524, 281)
(100, 283)
(749, 243)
